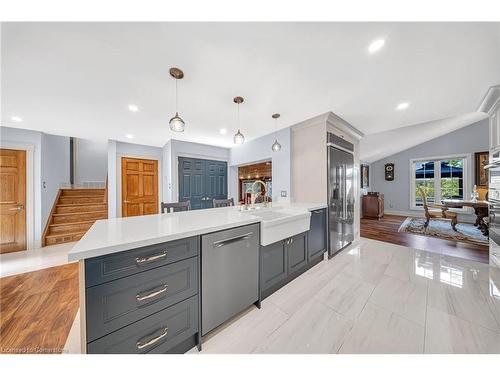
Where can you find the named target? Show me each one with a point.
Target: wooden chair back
(424, 201)
(223, 202)
(175, 207)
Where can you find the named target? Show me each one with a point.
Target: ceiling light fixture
(176, 123)
(129, 136)
(133, 108)
(238, 138)
(402, 106)
(16, 119)
(223, 131)
(276, 145)
(376, 45)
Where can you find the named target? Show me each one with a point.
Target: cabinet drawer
(111, 267)
(120, 302)
(157, 333)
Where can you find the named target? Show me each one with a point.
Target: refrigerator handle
(344, 192)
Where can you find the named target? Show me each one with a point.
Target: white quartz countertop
(114, 235)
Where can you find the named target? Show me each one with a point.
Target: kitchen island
(158, 283)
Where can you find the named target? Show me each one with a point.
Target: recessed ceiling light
(16, 119)
(133, 108)
(402, 106)
(130, 136)
(376, 45)
(223, 131)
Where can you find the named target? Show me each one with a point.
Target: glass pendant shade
(276, 146)
(177, 124)
(239, 138)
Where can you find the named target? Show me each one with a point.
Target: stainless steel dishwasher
(229, 274)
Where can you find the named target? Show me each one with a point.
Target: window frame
(467, 185)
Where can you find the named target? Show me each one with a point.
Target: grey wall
(55, 170)
(468, 140)
(91, 161)
(258, 150)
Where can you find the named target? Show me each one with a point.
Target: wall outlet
(283, 193)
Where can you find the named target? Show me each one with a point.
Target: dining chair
(175, 207)
(437, 211)
(223, 202)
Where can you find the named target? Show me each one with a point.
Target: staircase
(74, 212)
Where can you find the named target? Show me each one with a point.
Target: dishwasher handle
(231, 240)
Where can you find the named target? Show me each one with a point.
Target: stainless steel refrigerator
(340, 193)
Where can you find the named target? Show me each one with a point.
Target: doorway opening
(248, 174)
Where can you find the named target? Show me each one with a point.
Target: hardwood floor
(37, 309)
(386, 229)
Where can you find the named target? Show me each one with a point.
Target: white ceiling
(78, 78)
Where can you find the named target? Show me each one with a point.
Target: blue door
(201, 181)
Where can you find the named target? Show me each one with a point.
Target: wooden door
(12, 200)
(139, 187)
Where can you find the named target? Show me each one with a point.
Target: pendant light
(276, 145)
(238, 138)
(176, 123)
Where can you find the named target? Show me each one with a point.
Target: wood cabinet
(373, 205)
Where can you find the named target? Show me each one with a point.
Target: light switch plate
(283, 193)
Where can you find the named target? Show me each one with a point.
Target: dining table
(480, 209)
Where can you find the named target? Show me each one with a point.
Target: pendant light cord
(176, 98)
(239, 125)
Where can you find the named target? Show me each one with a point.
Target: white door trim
(119, 179)
(30, 187)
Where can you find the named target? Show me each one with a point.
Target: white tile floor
(34, 260)
(374, 297)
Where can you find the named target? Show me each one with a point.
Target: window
(443, 178)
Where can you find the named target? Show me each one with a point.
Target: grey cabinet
(274, 264)
(162, 332)
(144, 300)
(281, 260)
(120, 302)
(125, 263)
(297, 252)
(317, 235)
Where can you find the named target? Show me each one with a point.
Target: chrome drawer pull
(151, 258)
(232, 240)
(141, 344)
(151, 293)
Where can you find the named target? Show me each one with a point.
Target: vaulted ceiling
(79, 78)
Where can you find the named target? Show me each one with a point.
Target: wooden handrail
(105, 199)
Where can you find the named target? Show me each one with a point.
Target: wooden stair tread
(82, 196)
(75, 223)
(80, 213)
(52, 235)
(79, 204)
